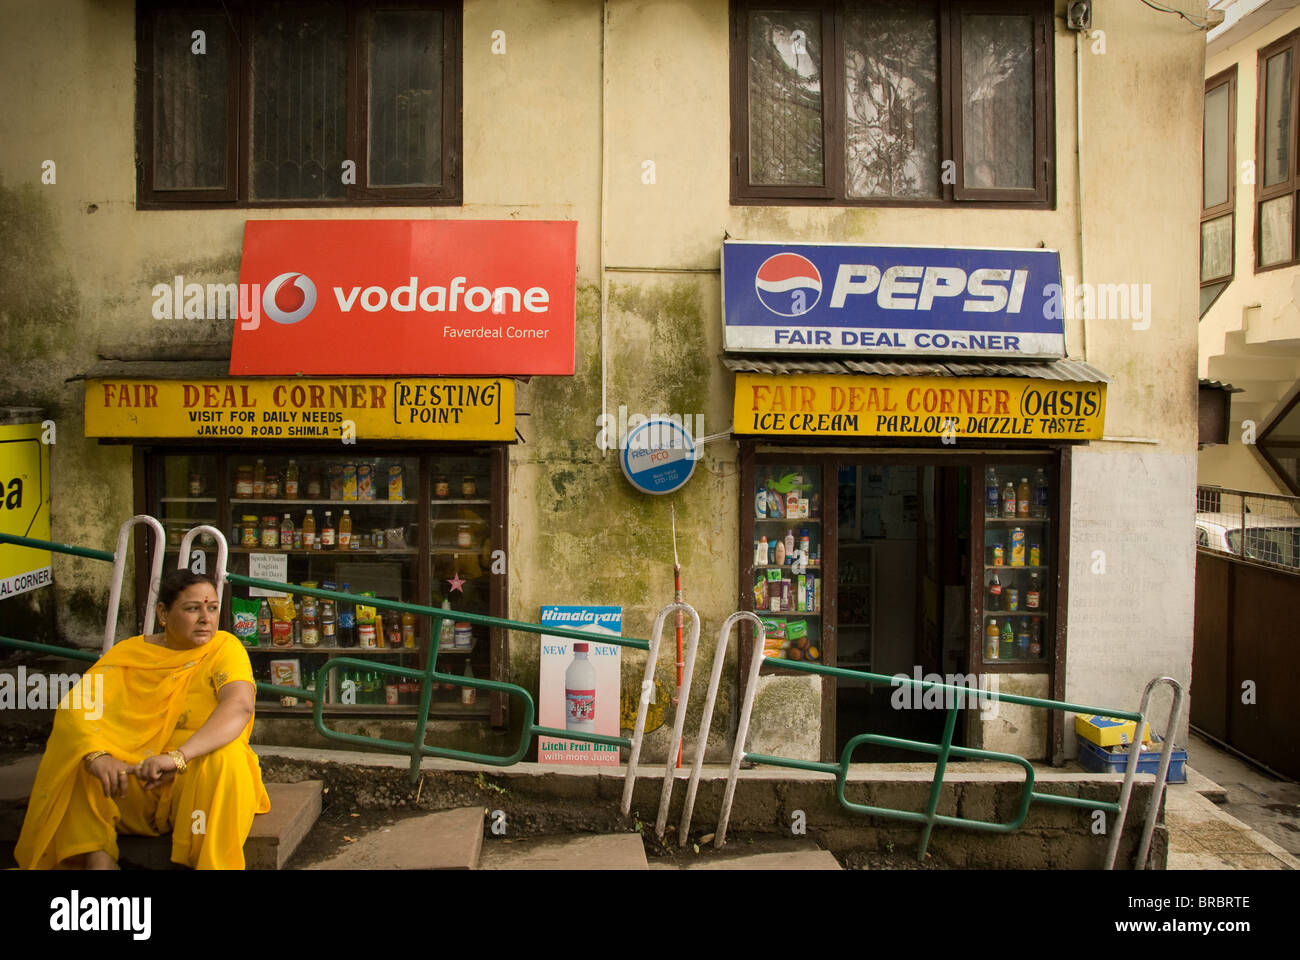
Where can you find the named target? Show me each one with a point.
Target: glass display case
(788, 554)
(415, 528)
(1016, 624)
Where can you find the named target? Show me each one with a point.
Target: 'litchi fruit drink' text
(580, 692)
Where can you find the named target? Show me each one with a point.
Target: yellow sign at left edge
(24, 507)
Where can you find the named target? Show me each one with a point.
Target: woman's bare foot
(99, 860)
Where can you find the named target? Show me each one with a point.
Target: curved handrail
(119, 571)
(223, 550)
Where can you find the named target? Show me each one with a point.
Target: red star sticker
(456, 582)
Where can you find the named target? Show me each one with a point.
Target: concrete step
(295, 807)
(623, 851)
(792, 860)
(447, 840)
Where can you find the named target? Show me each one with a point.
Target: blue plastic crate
(1104, 760)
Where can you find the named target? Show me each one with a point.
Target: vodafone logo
(289, 297)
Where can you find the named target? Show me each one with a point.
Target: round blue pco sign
(658, 456)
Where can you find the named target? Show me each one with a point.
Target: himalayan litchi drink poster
(579, 685)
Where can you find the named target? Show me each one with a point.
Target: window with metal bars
(887, 102)
(298, 103)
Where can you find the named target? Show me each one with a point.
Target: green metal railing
(417, 749)
(942, 751)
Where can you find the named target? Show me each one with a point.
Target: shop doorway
(902, 592)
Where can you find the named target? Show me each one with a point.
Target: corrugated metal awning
(1219, 385)
(1073, 371)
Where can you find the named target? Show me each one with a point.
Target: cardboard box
(1108, 731)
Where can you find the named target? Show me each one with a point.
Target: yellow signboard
(1003, 408)
(24, 507)
(302, 409)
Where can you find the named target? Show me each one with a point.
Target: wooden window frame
(1264, 450)
(1291, 184)
(832, 192)
(237, 193)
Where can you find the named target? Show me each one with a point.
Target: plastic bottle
(1041, 498)
(259, 480)
(760, 552)
(779, 559)
(291, 481)
(804, 541)
(329, 625)
(286, 532)
(345, 530)
(991, 635)
(327, 531)
(580, 692)
(447, 628)
(468, 694)
(408, 629)
(789, 543)
(264, 624)
(1022, 498)
(991, 493)
(1009, 499)
(347, 621)
(994, 601)
(308, 531)
(1007, 649)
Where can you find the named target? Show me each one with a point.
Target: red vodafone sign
(408, 297)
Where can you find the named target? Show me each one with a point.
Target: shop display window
(788, 554)
(1015, 618)
(405, 527)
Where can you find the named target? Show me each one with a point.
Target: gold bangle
(90, 758)
(179, 759)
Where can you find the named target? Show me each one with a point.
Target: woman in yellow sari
(157, 742)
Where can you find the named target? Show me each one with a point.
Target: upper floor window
(1218, 179)
(887, 102)
(1276, 182)
(298, 103)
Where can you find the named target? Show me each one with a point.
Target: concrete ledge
(798, 860)
(450, 840)
(609, 852)
(295, 808)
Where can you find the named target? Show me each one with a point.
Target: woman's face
(192, 619)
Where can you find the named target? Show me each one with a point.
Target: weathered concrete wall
(549, 133)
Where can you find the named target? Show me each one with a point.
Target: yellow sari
(141, 699)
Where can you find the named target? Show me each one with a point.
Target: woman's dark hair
(176, 582)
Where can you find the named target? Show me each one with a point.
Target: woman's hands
(156, 770)
(112, 773)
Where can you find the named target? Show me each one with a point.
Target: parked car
(1272, 539)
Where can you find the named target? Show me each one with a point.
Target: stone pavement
(1230, 815)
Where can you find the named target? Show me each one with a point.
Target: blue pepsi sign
(659, 456)
(864, 299)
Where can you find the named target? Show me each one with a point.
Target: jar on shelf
(468, 487)
(271, 486)
(196, 484)
(270, 530)
(244, 482)
(464, 536)
(441, 488)
(313, 485)
(249, 531)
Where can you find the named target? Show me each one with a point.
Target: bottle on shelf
(1007, 647)
(345, 530)
(468, 694)
(1022, 498)
(287, 532)
(994, 601)
(991, 493)
(291, 481)
(999, 555)
(1036, 638)
(991, 638)
(264, 624)
(1033, 593)
(347, 621)
(329, 626)
(408, 629)
(789, 543)
(310, 623)
(804, 542)
(393, 630)
(446, 628)
(760, 552)
(366, 623)
(308, 531)
(1023, 643)
(259, 480)
(779, 559)
(1009, 500)
(327, 530)
(1040, 502)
